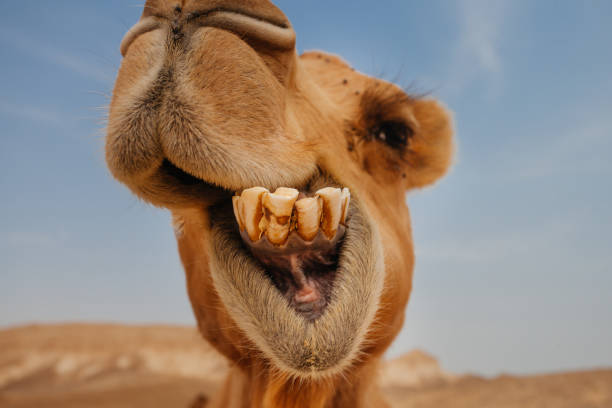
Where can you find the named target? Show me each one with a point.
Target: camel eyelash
(382, 116)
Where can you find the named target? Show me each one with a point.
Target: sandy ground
(165, 366)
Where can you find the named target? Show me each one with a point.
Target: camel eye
(393, 133)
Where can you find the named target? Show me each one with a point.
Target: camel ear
(431, 148)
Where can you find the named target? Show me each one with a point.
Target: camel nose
(256, 21)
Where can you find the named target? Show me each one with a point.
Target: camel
(286, 177)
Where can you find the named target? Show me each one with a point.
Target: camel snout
(257, 21)
(277, 36)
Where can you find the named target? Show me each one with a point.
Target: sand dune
(80, 365)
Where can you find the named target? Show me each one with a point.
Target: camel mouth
(305, 294)
(307, 304)
(303, 272)
(297, 239)
(295, 236)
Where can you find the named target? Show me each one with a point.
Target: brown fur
(205, 104)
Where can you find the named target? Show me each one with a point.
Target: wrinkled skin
(211, 98)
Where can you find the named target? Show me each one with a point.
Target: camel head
(286, 178)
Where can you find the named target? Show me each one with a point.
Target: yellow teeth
(346, 200)
(332, 210)
(277, 214)
(238, 211)
(251, 211)
(308, 213)
(279, 207)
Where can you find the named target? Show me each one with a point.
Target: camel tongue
(306, 292)
(298, 267)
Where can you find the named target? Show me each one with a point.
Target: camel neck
(261, 389)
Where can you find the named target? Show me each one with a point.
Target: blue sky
(514, 255)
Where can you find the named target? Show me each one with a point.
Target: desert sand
(94, 365)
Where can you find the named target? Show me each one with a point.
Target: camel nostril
(143, 26)
(175, 26)
(275, 34)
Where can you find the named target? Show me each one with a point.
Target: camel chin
(286, 178)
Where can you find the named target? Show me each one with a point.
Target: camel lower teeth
(276, 215)
(250, 211)
(278, 209)
(308, 217)
(346, 200)
(332, 210)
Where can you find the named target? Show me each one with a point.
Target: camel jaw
(309, 329)
(313, 330)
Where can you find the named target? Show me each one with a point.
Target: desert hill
(83, 365)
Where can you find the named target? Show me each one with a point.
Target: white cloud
(53, 55)
(476, 55)
(36, 239)
(481, 22)
(498, 246)
(579, 148)
(32, 113)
